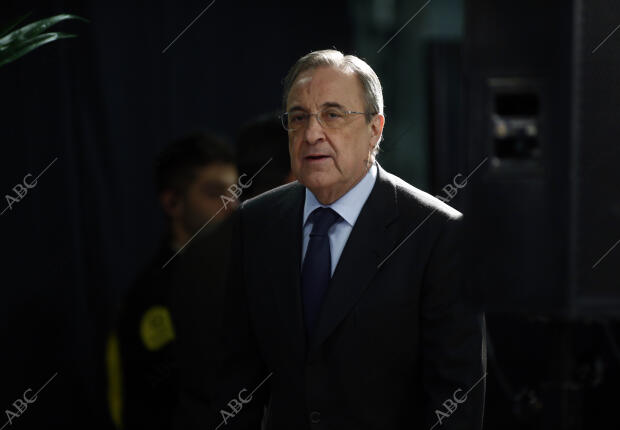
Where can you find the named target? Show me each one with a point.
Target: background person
(191, 176)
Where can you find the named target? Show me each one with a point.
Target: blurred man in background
(260, 140)
(200, 273)
(192, 175)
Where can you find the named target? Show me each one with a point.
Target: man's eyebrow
(324, 105)
(332, 104)
(296, 107)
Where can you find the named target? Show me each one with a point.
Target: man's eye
(213, 191)
(334, 114)
(298, 117)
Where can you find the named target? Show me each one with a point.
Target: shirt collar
(350, 204)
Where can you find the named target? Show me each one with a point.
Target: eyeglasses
(330, 117)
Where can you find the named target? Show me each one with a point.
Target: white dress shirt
(348, 207)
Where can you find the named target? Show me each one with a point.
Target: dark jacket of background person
(394, 340)
(146, 338)
(197, 302)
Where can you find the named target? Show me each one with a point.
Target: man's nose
(314, 130)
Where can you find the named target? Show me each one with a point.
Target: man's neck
(179, 237)
(329, 196)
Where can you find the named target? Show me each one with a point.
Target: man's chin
(316, 180)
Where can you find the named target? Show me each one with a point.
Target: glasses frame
(284, 118)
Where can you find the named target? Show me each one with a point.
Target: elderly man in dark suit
(338, 317)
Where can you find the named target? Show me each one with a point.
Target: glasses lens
(295, 120)
(333, 117)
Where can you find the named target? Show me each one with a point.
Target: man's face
(203, 197)
(331, 161)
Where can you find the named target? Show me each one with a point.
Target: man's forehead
(326, 84)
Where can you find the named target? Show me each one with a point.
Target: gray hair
(373, 94)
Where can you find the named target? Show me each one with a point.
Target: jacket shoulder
(273, 198)
(411, 198)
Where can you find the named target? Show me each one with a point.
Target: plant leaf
(19, 49)
(36, 28)
(10, 27)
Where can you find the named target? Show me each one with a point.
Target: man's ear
(376, 130)
(170, 202)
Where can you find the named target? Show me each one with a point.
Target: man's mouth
(316, 157)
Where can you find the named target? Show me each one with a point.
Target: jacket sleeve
(453, 345)
(222, 400)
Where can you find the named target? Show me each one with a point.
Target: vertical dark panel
(597, 185)
(446, 132)
(519, 197)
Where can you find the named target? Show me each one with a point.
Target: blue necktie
(316, 270)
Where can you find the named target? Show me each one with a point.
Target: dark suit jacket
(394, 339)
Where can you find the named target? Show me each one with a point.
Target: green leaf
(16, 50)
(36, 28)
(18, 43)
(10, 27)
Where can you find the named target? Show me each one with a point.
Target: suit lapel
(286, 269)
(370, 240)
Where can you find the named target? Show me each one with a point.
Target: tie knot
(322, 220)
